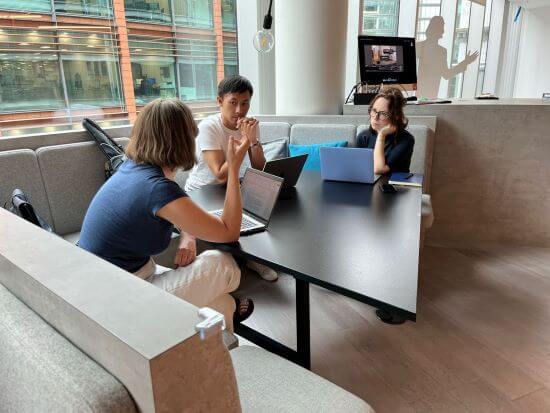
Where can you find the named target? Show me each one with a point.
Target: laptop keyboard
(245, 224)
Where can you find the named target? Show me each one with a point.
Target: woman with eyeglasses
(393, 145)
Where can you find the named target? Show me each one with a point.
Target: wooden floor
(481, 342)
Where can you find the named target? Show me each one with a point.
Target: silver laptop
(348, 165)
(259, 191)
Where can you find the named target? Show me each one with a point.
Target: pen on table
(409, 176)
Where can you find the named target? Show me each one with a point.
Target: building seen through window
(380, 17)
(57, 73)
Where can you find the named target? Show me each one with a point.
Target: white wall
(533, 68)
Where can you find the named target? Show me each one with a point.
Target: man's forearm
(257, 157)
(221, 174)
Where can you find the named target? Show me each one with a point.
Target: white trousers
(206, 282)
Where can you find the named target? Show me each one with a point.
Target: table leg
(302, 323)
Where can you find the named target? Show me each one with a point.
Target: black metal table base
(300, 356)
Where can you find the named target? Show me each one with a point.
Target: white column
(352, 60)
(257, 67)
(494, 46)
(407, 18)
(311, 56)
(475, 34)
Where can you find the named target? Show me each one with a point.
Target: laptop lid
(348, 164)
(289, 169)
(260, 191)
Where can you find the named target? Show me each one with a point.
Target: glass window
(462, 24)
(154, 77)
(230, 59)
(153, 11)
(197, 69)
(229, 15)
(90, 67)
(193, 13)
(92, 81)
(426, 10)
(30, 78)
(30, 82)
(380, 17)
(27, 5)
(153, 67)
(484, 44)
(101, 8)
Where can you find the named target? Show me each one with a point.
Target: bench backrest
(19, 169)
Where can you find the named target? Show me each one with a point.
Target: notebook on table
(406, 179)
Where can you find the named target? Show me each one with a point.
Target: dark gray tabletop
(349, 238)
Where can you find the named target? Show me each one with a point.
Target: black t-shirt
(398, 149)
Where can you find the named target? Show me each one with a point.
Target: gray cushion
(268, 383)
(421, 161)
(72, 175)
(273, 130)
(276, 149)
(20, 170)
(44, 372)
(303, 134)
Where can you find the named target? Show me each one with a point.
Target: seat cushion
(276, 149)
(268, 383)
(72, 175)
(306, 134)
(45, 372)
(20, 170)
(270, 131)
(313, 162)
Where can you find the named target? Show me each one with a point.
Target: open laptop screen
(259, 192)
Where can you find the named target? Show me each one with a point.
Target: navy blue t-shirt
(398, 149)
(120, 225)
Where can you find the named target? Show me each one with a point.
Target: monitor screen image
(384, 58)
(387, 60)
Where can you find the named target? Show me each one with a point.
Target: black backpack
(19, 205)
(112, 150)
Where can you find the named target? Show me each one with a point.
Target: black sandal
(238, 316)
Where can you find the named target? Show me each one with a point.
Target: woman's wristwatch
(258, 143)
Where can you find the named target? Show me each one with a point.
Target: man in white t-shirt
(234, 95)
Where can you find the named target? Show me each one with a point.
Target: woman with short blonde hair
(133, 215)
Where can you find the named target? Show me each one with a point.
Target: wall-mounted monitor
(387, 59)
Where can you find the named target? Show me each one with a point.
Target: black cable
(353, 89)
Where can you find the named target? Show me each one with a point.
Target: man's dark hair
(234, 84)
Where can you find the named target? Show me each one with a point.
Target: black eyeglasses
(373, 113)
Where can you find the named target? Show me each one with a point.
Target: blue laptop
(348, 165)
